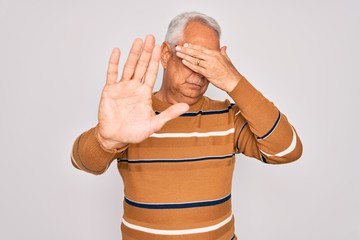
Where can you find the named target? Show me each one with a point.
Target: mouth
(195, 85)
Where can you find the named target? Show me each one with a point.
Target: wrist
(231, 84)
(108, 144)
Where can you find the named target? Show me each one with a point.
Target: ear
(166, 53)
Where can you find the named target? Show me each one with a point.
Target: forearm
(269, 130)
(88, 154)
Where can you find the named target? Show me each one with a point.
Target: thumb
(170, 113)
(223, 52)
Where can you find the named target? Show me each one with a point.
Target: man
(176, 148)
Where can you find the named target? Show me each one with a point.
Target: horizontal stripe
(178, 205)
(176, 160)
(238, 138)
(272, 129)
(193, 134)
(242, 127)
(73, 160)
(263, 158)
(177, 232)
(201, 112)
(286, 151)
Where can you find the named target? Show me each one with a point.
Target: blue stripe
(178, 205)
(272, 129)
(192, 114)
(242, 127)
(263, 159)
(176, 160)
(237, 140)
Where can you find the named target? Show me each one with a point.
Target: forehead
(200, 34)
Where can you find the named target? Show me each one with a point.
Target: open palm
(125, 111)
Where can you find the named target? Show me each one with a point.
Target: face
(180, 84)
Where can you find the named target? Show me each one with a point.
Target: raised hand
(212, 64)
(125, 111)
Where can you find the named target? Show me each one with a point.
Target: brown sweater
(177, 183)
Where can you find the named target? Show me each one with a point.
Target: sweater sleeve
(261, 130)
(88, 154)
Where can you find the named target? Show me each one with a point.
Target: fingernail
(186, 44)
(178, 54)
(178, 48)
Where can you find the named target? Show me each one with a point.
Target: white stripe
(192, 134)
(286, 151)
(237, 113)
(178, 232)
(73, 160)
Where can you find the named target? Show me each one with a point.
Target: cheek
(179, 71)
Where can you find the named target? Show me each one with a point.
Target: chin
(191, 101)
(192, 96)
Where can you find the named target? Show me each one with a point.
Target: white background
(303, 55)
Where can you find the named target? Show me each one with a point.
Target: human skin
(186, 81)
(125, 112)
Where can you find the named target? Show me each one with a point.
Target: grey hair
(177, 25)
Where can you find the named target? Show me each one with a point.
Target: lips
(196, 82)
(195, 85)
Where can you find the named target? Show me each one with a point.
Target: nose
(200, 76)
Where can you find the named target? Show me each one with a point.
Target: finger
(152, 71)
(194, 60)
(170, 113)
(112, 71)
(192, 52)
(194, 67)
(224, 53)
(196, 47)
(145, 57)
(130, 64)
(223, 50)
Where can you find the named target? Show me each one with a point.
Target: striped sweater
(177, 183)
